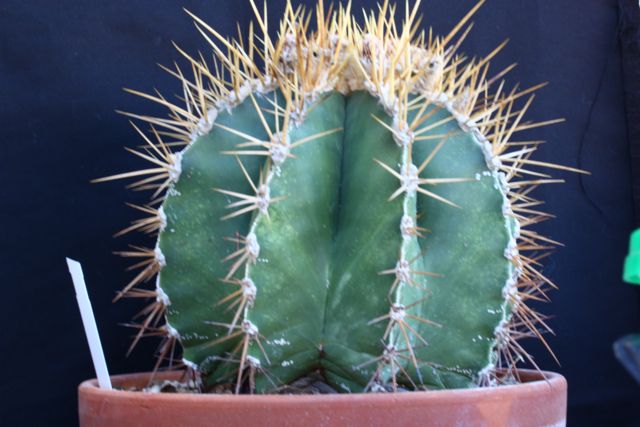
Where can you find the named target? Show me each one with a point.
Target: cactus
(350, 201)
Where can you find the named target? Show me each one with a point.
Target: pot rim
(534, 382)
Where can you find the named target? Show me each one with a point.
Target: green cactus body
(331, 215)
(315, 286)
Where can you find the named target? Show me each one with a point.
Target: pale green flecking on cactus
(356, 208)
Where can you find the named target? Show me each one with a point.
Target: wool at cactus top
(356, 204)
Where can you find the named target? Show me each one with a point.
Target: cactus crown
(350, 200)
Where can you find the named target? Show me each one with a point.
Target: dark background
(62, 67)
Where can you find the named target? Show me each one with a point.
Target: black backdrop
(62, 66)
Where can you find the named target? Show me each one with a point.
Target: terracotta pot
(535, 402)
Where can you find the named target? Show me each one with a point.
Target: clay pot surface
(539, 401)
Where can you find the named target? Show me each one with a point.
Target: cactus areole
(351, 200)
